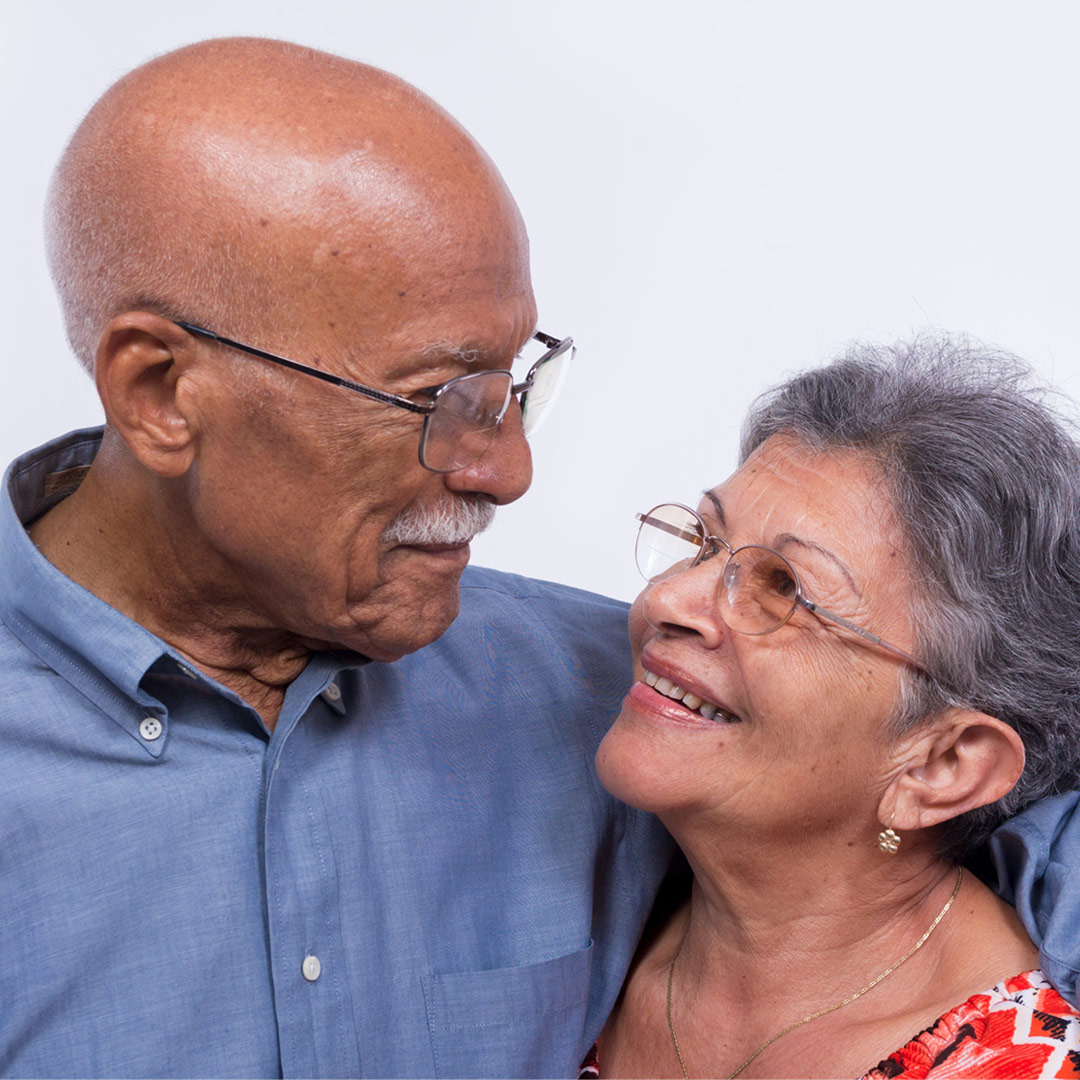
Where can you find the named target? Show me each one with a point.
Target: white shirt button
(311, 968)
(185, 670)
(150, 728)
(332, 692)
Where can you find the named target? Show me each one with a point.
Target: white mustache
(455, 521)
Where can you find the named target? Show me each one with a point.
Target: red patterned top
(1022, 1029)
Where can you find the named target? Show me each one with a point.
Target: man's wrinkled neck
(130, 551)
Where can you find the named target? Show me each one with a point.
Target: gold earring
(889, 840)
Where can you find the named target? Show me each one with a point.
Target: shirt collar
(46, 610)
(93, 646)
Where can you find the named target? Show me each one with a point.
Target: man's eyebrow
(468, 353)
(441, 359)
(439, 352)
(786, 539)
(718, 508)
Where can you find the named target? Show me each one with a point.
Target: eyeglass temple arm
(865, 634)
(326, 376)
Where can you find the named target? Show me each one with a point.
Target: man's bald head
(223, 182)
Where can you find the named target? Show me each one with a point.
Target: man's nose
(504, 473)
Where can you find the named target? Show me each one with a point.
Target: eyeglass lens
(759, 587)
(670, 539)
(466, 416)
(759, 592)
(469, 410)
(548, 378)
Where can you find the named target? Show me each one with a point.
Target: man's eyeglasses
(462, 415)
(759, 589)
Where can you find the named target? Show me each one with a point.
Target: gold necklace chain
(821, 1012)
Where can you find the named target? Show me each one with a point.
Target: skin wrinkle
(784, 539)
(321, 210)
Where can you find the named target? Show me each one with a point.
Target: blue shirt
(1037, 857)
(416, 874)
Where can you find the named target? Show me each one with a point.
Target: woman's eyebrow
(790, 538)
(786, 539)
(718, 508)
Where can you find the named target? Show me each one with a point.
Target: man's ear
(961, 760)
(138, 367)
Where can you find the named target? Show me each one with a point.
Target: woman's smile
(671, 688)
(708, 709)
(656, 705)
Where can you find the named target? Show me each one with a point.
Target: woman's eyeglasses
(758, 590)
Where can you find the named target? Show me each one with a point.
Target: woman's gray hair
(984, 471)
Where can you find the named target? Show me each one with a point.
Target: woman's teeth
(691, 701)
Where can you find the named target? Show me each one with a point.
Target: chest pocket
(519, 1021)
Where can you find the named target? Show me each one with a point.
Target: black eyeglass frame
(555, 347)
(709, 545)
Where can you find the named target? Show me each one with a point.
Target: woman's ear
(961, 760)
(138, 367)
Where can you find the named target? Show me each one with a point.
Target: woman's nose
(686, 602)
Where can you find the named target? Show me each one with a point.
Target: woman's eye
(784, 584)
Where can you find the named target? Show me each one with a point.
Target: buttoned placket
(311, 991)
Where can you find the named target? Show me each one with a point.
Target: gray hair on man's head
(983, 468)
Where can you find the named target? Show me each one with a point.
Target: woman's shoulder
(1021, 1028)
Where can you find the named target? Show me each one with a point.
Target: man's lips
(438, 549)
(688, 699)
(453, 557)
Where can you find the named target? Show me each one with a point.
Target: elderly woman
(855, 658)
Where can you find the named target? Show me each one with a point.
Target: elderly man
(232, 845)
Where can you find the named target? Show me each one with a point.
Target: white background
(717, 194)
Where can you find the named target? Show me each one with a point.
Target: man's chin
(411, 621)
(387, 650)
